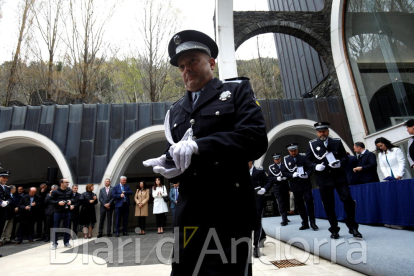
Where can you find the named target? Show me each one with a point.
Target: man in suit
(298, 173)
(121, 195)
(29, 206)
(261, 183)
(212, 132)
(74, 209)
(280, 187)
(366, 169)
(328, 158)
(4, 198)
(173, 199)
(106, 209)
(43, 191)
(49, 212)
(410, 153)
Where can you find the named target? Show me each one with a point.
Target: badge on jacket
(225, 95)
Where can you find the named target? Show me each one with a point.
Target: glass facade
(380, 45)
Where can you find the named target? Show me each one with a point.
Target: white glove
(336, 166)
(181, 153)
(262, 191)
(304, 176)
(279, 178)
(295, 174)
(319, 167)
(284, 178)
(160, 166)
(4, 204)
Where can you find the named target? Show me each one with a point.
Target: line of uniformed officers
(327, 158)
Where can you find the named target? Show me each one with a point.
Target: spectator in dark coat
(49, 211)
(43, 191)
(74, 209)
(366, 169)
(29, 207)
(87, 214)
(349, 168)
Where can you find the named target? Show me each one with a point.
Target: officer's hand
(279, 178)
(336, 165)
(295, 174)
(182, 152)
(4, 204)
(61, 203)
(262, 191)
(304, 176)
(167, 172)
(160, 166)
(319, 167)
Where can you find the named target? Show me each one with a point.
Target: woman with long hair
(390, 158)
(87, 213)
(141, 209)
(160, 206)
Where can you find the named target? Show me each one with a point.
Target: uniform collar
(209, 91)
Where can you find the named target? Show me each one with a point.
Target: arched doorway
(127, 160)
(28, 155)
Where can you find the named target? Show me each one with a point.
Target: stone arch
(301, 127)
(22, 138)
(127, 150)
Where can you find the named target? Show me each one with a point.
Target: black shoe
(335, 235)
(117, 235)
(126, 234)
(304, 227)
(109, 235)
(288, 220)
(314, 226)
(355, 233)
(284, 223)
(100, 236)
(255, 253)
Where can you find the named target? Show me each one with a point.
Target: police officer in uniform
(212, 132)
(281, 187)
(298, 174)
(261, 183)
(5, 198)
(328, 158)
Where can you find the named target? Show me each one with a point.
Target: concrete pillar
(225, 39)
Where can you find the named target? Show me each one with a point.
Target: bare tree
(156, 26)
(85, 41)
(48, 18)
(25, 22)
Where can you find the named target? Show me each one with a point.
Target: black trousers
(309, 209)
(281, 192)
(161, 219)
(26, 229)
(40, 223)
(141, 223)
(234, 259)
(16, 221)
(106, 213)
(328, 200)
(259, 233)
(75, 225)
(48, 225)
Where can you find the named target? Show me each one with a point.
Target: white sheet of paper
(300, 170)
(330, 157)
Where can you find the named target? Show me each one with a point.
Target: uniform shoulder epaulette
(304, 154)
(235, 80)
(259, 168)
(339, 139)
(313, 140)
(286, 156)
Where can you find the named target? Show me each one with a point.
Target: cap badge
(318, 148)
(225, 95)
(319, 124)
(177, 39)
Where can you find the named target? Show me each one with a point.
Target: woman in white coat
(391, 159)
(160, 206)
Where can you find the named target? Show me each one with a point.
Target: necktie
(107, 191)
(122, 188)
(196, 96)
(294, 158)
(176, 194)
(325, 143)
(31, 201)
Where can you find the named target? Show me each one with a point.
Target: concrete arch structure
(127, 150)
(301, 127)
(15, 139)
